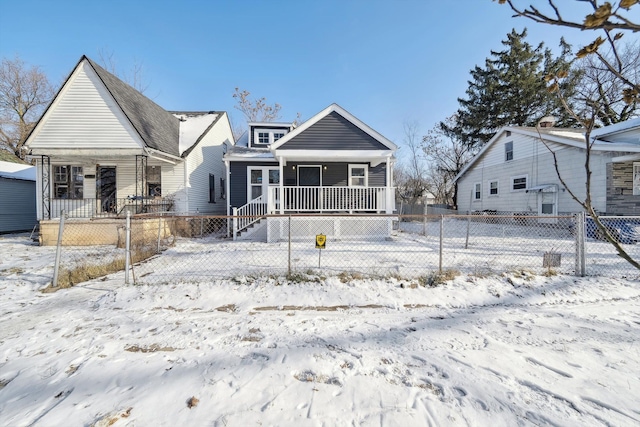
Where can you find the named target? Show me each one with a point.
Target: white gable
(84, 116)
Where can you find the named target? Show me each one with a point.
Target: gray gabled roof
(158, 128)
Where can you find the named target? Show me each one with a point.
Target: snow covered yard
(512, 349)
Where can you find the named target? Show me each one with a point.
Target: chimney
(547, 122)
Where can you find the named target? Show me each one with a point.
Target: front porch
(338, 200)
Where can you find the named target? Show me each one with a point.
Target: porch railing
(329, 199)
(92, 208)
(246, 215)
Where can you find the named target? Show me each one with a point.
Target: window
(224, 148)
(508, 151)
(223, 189)
(477, 191)
(154, 187)
(267, 136)
(493, 188)
(358, 175)
(636, 179)
(519, 182)
(263, 137)
(67, 182)
(212, 188)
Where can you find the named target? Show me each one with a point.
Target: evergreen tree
(511, 90)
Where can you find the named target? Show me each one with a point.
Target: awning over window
(545, 188)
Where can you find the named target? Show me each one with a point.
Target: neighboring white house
(102, 148)
(515, 172)
(17, 197)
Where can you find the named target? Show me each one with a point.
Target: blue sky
(386, 62)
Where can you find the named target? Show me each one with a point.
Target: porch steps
(254, 232)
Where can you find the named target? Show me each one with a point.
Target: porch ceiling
(349, 156)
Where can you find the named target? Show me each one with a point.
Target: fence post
(160, 222)
(581, 264)
(235, 224)
(56, 267)
(441, 243)
(127, 250)
(289, 235)
(424, 219)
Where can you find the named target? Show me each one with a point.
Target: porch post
(45, 186)
(281, 184)
(390, 198)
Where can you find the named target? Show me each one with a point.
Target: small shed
(17, 197)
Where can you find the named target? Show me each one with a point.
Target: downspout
(227, 184)
(186, 184)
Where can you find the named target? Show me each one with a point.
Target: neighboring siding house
(17, 197)
(102, 148)
(332, 163)
(515, 173)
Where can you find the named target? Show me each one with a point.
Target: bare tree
(411, 175)
(612, 19)
(25, 91)
(447, 153)
(256, 110)
(135, 77)
(601, 91)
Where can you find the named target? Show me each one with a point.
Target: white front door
(259, 179)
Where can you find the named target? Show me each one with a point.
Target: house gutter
(156, 154)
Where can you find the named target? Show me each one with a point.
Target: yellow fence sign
(321, 241)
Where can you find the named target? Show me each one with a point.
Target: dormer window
(265, 136)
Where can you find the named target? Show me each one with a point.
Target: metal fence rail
(171, 249)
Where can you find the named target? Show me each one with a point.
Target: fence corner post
(127, 250)
(235, 224)
(581, 264)
(289, 238)
(56, 267)
(441, 243)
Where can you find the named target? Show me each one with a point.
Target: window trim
(271, 136)
(366, 174)
(477, 192)
(70, 184)
(497, 193)
(212, 188)
(526, 182)
(507, 151)
(635, 183)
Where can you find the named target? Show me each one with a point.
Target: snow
(17, 171)
(503, 350)
(192, 126)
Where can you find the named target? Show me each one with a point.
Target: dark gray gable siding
(158, 128)
(333, 132)
(238, 181)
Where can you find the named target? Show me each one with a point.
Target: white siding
(173, 185)
(205, 159)
(533, 159)
(84, 115)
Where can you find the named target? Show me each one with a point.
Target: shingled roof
(159, 129)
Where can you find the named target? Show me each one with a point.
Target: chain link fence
(170, 249)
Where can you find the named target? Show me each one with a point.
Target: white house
(102, 148)
(515, 171)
